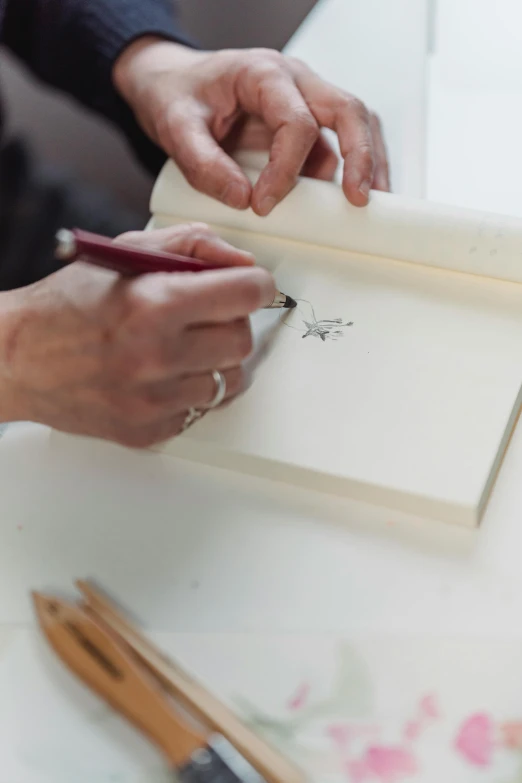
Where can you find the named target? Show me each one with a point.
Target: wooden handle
(268, 762)
(89, 651)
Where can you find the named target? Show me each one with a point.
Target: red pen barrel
(131, 261)
(125, 259)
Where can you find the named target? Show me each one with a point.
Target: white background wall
(475, 112)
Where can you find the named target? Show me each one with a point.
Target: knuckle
(141, 296)
(194, 234)
(358, 108)
(306, 124)
(185, 231)
(265, 55)
(199, 229)
(201, 234)
(366, 156)
(355, 106)
(129, 237)
(264, 62)
(297, 64)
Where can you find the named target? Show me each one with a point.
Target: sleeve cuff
(115, 24)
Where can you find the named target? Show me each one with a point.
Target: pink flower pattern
(429, 707)
(475, 739)
(380, 762)
(383, 764)
(511, 733)
(366, 759)
(300, 697)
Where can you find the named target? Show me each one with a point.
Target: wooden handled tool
(199, 736)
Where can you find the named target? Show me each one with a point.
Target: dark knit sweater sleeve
(73, 45)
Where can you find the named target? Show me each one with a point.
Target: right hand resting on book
(88, 352)
(198, 106)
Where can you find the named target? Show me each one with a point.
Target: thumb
(196, 240)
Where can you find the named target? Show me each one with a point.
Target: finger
(355, 139)
(218, 251)
(248, 133)
(267, 89)
(381, 177)
(194, 391)
(186, 137)
(217, 347)
(175, 398)
(206, 298)
(322, 161)
(350, 119)
(146, 435)
(190, 239)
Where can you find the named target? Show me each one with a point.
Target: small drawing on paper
(324, 329)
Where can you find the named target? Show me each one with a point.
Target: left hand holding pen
(194, 104)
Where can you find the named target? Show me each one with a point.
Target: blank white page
(410, 407)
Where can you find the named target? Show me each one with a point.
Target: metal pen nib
(282, 300)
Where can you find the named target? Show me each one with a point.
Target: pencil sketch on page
(324, 329)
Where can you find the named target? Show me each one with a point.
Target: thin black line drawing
(325, 329)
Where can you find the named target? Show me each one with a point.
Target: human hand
(196, 104)
(88, 352)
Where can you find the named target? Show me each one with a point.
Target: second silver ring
(221, 389)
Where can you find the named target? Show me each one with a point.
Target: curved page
(391, 226)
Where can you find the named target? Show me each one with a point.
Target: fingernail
(265, 284)
(364, 188)
(268, 290)
(267, 205)
(250, 257)
(236, 195)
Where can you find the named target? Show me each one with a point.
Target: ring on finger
(193, 414)
(221, 389)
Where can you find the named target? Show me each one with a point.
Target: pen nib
(290, 303)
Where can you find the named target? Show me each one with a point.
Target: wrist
(148, 55)
(12, 397)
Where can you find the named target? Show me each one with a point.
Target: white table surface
(202, 554)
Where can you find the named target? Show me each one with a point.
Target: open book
(397, 380)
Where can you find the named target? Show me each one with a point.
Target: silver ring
(221, 389)
(192, 415)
